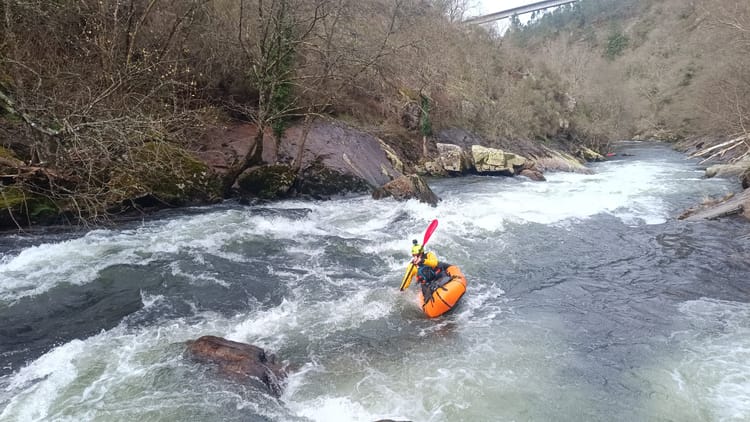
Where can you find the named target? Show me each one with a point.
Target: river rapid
(587, 301)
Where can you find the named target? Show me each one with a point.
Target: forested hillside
(102, 102)
(664, 68)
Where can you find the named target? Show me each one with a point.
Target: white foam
(44, 379)
(714, 371)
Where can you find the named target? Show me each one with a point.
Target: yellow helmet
(416, 249)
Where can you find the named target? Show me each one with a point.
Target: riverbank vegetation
(102, 103)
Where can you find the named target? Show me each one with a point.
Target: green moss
(318, 180)
(166, 172)
(7, 153)
(11, 197)
(268, 182)
(17, 206)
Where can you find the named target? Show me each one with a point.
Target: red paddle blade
(431, 228)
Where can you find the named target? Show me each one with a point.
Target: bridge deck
(540, 5)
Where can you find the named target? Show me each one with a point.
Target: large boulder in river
(405, 188)
(533, 174)
(241, 361)
(320, 181)
(267, 182)
(492, 160)
(453, 158)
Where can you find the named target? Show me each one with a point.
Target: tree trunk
(297, 166)
(253, 157)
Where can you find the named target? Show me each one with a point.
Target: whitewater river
(587, 301)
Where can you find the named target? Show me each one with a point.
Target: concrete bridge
(520, 10)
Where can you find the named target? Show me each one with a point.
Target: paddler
(428, 268)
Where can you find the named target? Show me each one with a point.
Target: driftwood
(729, 205)
(724, 147)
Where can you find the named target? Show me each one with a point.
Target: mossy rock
(7, 153)
(21, 208)
(587, 154)
(267, 182)
(319, 180)
(166, 173)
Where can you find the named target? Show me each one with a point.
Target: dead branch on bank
(724, 147)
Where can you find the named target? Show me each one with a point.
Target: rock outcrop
(336, 158)
(496, 161)
(405, 188)
(241, 361)
(453, 158)
(344, 150)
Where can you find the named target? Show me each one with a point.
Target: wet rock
(532, 174)
(240, 361)
(267, 182)
(320, 181)
(560, 161)
(405, 188)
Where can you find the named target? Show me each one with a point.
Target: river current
(587, 300)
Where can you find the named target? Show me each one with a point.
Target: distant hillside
(664, 68)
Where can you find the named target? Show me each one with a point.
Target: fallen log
(730, 205)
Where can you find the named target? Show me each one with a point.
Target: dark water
(587, 300)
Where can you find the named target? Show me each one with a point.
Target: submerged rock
(241, 361)
(533, 174)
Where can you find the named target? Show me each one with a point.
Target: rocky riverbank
(338, 158)
(722, 159)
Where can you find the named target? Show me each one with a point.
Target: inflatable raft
(443, 293)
